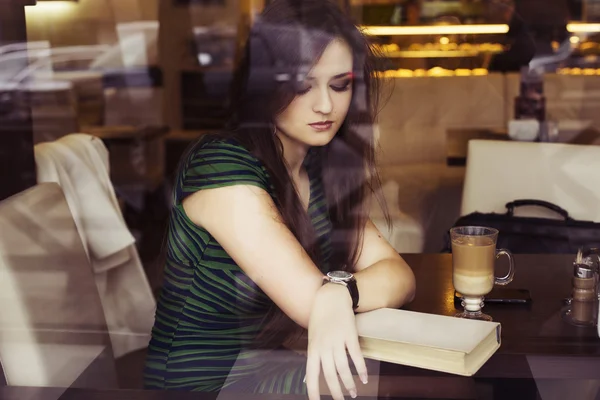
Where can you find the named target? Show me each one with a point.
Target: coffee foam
(473, 285)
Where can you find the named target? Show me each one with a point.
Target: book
(436, 342)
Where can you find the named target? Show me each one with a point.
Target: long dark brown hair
(288, 36)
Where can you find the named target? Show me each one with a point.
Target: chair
(52, 326)
(499, 172)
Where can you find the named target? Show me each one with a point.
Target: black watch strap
(352, 288)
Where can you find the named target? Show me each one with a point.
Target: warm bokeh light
(574, 39)
(53, 7)
(573, 27)
(444, 40)
(435, 30)
(576, 27)
(432, 72)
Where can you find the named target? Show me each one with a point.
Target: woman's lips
(322, 126)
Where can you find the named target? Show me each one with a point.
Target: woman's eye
(341, 87)
(302, 89)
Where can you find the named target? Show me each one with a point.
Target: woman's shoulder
(217, 160)
(221, 147)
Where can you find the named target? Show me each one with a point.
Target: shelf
(437, 53)
(474, 29)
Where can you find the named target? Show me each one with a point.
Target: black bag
(528, 235)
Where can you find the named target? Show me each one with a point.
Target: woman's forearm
(387, 283)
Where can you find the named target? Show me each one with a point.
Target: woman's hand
(332, 331)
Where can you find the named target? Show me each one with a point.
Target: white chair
(52, 326)
(502, 171)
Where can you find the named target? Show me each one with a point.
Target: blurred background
(149, 76)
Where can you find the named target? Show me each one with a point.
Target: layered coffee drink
(474, 256)
(473, 259)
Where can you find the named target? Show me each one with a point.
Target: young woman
(269, 233)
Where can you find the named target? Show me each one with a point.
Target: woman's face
(322, 100)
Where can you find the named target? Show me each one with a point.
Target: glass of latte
(474, 256)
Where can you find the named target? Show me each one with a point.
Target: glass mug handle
(505, 280)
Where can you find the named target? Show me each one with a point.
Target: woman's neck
(294, 154)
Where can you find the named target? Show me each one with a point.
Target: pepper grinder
(584, 302)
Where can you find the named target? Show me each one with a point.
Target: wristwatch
(346, 279)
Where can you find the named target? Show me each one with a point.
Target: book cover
(436, 342)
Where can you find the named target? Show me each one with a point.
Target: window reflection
(143, 80)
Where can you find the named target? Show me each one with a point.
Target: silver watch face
(339, 275)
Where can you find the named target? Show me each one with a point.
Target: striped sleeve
(222, 163)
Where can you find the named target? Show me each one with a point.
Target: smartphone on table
(502, 295)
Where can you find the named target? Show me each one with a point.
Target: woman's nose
(323, 103)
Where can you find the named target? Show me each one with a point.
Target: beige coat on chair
(52, 326)
(79, 163)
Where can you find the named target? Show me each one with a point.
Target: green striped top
(209, 310)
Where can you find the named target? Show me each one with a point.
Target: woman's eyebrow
(342, 75)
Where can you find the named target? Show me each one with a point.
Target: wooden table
(537, 345)
(532, 330)
(538, 349)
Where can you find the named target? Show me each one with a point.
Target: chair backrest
(499, 172)
(52, 326)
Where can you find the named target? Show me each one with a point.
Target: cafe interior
(486, 102)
